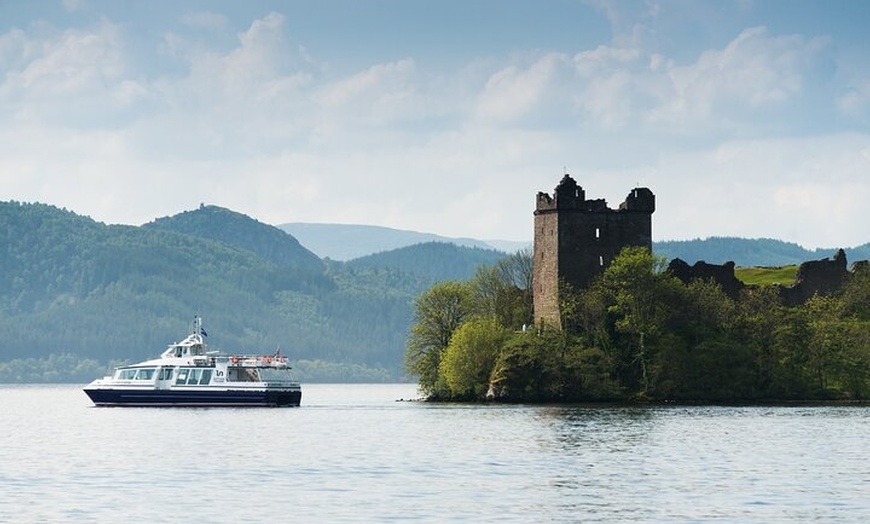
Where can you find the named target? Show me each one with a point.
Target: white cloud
(620, 87)
(72, 63)
(266, 129)
(806, 190)
(259, 57)
(44, 76)
(513, 92)
(605, 58)
(377, 82)
(753, 71)
(855, 100)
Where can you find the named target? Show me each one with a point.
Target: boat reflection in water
(187, 374)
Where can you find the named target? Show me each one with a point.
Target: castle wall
(822, 277)
(721, 274)
(545, 273)
(576, 239)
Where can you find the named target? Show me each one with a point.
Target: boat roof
(194, 345)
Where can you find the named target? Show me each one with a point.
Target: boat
(188, 374)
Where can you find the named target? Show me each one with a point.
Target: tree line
(76, 294)
(638, 333)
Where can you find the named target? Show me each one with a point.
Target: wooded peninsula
(638, 333)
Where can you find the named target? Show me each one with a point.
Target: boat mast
(197, 326)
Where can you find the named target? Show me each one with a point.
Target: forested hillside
(350, 241)
(749, 252)
(235, 229)
(438, 260)
(86, 292)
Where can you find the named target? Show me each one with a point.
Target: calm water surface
(351, 453)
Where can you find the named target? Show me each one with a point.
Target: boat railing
(257, 360)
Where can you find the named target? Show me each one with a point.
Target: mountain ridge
(237, 229)
(751, 252)
(345, 242)
(101, 293)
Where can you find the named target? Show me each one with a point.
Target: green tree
(829, 337)
(791, 343)
(518, 269)
(639, 291)
(856, 292)
(468, 360)
(528, 367)
(438, 312)
(699, 356)
(495, 293)
(853, 367)
(586, 312)
(759, 313)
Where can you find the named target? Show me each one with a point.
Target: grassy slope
(784, 275)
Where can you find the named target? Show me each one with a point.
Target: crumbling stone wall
(822, 277)
(721, 274)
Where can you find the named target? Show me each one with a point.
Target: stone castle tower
(576, 239)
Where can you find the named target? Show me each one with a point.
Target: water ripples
(351, 453)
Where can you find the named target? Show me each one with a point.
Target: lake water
(351, 453)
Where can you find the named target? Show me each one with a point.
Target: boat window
(126, 374)
(206, 376)
(241, 374)
(182, 376)
(193, 376)
(166, 374)
(275, 375)
(145, 374)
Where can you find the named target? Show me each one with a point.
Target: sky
(746, 118)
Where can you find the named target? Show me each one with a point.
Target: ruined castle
(576, 239)
(814, 277)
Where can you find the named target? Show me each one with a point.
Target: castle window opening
(597, 233)
(601, 261)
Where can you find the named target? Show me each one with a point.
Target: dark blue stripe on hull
(132, 397)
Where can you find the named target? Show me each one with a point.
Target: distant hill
(437, 261)
(347, 241)
(76, 293)
(745, 252)
(236, 229)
